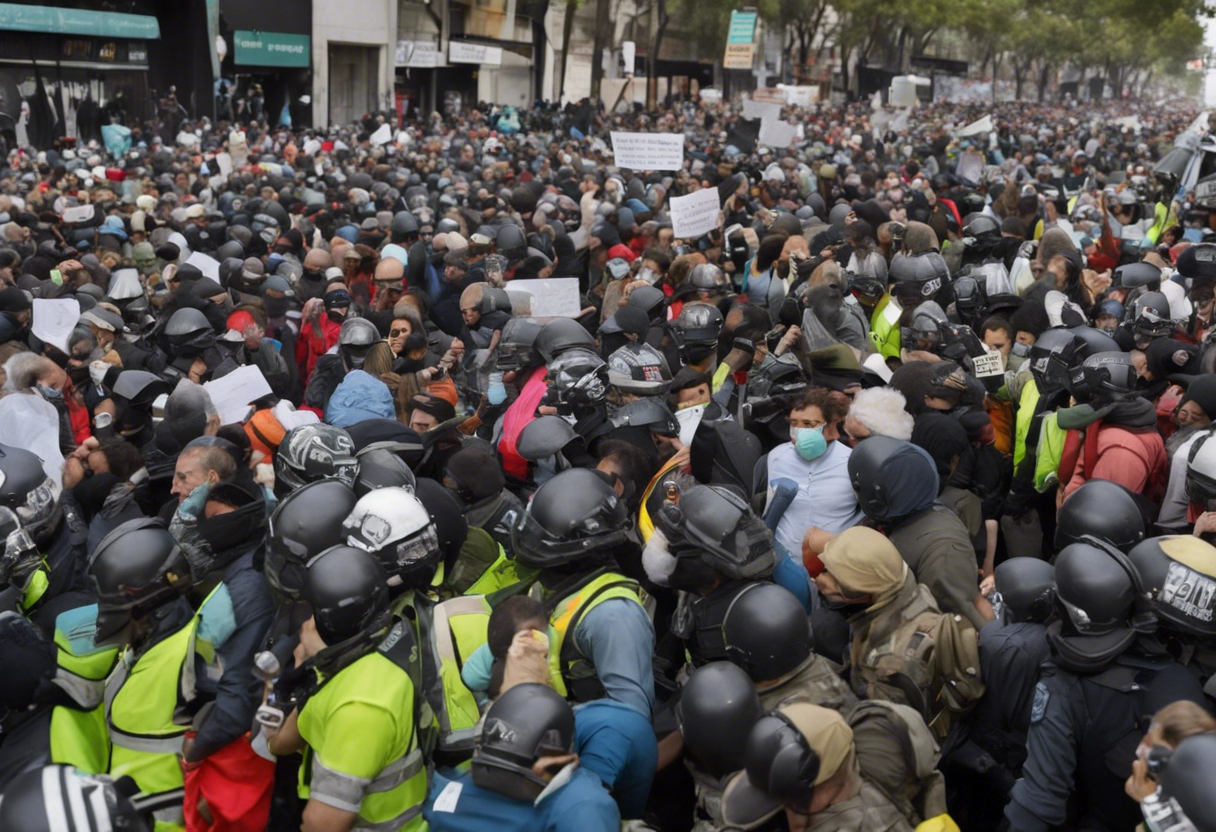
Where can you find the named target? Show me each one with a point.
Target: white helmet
(392, 524)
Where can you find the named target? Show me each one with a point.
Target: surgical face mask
(50, 392)
(1020, 350)
(647, 275)
(809, 442)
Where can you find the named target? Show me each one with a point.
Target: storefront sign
(22, 18)
(474, 53)
(417, 54)
(137, 53)
(740, 41)
(255, 48)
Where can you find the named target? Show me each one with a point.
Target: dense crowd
(888, 504)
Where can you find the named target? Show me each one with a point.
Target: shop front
(266, 74)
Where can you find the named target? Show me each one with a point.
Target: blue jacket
(456, 804)
(357, 397)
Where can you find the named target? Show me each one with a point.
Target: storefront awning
(18, 18)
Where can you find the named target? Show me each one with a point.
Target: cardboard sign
(234, 393)
(54, 321)
(779, 134)
(554, 297)
(696, 214)
(988, 364)
(648, 151)
(79, 213)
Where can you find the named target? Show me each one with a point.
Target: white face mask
(656, 560)
(647, 275)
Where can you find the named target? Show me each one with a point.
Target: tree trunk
(603, 34)
(652, 77)
(1044, 75)
(996, 71)
(567, 31)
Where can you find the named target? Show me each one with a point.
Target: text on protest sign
(695, 214)
(648, 151)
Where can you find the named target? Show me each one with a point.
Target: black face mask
(275, 307)
(696, 353)
(225, 532)
(335, 316)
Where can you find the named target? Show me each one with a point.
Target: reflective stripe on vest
(458, 627)
(566, 662)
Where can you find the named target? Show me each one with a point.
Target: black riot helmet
(767, 632)
(1092, 341)
(980, 227)
(708, 278)
(578, 378)
(312, 452)
(526, 723)
(1179, 575)
(778, 759)
(1051, 356)
(58, 797)
(1103, 378)
(1136, 275)
(650, 300)
(136, 569)
(403, 226)
(1095, 596)
(19, 556)
(33, 496)
(515, 347)
(714, 527)
(511, 241)
(651, 413)
(1185, 801)
(1103, 509)
(230, 249)
(347, 589)
(919, 276)
(696, 331)
(882, 495)
(355, 340)
(717, 708)
(1026, 586)
(381, 466)
(189, 333)
(925, 330)
(573, 518)
(1151, 319)
(306, 522)
(639, 369)
(560, 335)
(1201, 471)
(970, 298)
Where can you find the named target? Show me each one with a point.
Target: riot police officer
(60, 797)
(1105, 675)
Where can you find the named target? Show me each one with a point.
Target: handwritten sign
(695, 214)
(648, 151)
(988, 364)
(777, 133)
(234, 393)
(54, 321)
(554, 297)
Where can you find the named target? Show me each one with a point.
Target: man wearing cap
(105, 323)
(801, 758)
(16, 313)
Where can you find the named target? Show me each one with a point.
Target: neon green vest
(1026, 405)
(457, 628)
(883, 330)
(394, 799)
(573, 674)
(79, 735)
(1051, 448)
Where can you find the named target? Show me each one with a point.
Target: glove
(496, 393)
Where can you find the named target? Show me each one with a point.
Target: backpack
(898, 755)
(928, 660)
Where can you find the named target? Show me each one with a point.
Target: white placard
(79, 213)
(234, 393)
(695, 214)
(761, 109)
(224, 162)
(209, 266)
(554, 297)
(383, 135)
(778, 134)
(689, 418)
(54, 321)
(988, 364)
(801, 96)
(629, 51)
(982, 125)
(474, 53)
(178, 240)
(648, 151)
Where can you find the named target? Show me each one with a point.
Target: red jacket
(1132, 457)
(310, 346)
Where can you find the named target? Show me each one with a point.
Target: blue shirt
(825, 497)
(618, 745)
(617, 637)
(457, 804)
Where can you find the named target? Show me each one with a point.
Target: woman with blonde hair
(1170, 726)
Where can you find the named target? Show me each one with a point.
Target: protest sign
(383, 135)
(554, 297)
(695, 214)
(689, 418)
(761, 109)
(648, 151)
(983, 125)
(224, 162)
(234, 393)
(988, 364)
(54, 321)
(209, 266)
(779, 134)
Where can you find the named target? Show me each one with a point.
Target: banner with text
(648, 151)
